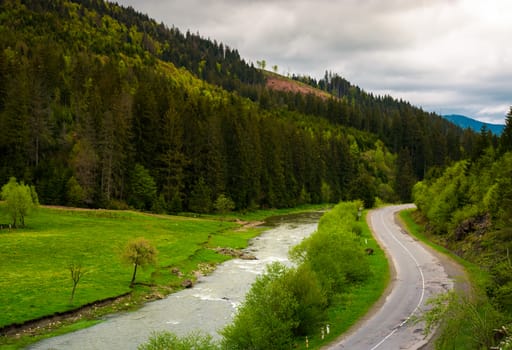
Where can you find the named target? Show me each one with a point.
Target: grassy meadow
(35, 279)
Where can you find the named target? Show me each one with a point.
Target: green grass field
(34, 275)
(35, 278)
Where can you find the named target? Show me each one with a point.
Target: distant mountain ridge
(476, 125)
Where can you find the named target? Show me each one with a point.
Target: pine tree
(506, 136)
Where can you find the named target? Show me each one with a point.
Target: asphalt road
(418, 275)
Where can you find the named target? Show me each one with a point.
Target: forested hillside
(469, 210)
(100, 106)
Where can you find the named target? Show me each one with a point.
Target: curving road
(418, 276)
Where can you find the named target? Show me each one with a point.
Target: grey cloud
(445, 55)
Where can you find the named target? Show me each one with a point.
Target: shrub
(169, 341)
(281, 304)
(334, 252)
(471, 321)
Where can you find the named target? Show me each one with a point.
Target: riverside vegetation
(35, 276)
(95, 239)
(312, 302)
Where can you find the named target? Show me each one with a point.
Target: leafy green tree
(332, 250)
(20, 198)
(267, 317)
(506, 136)
(224, 204)
(139, 252)
(282, 304)
(142, 189)
(74, 193)
(363, 188)
(311, 300)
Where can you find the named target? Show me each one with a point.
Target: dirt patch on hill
(278, 83)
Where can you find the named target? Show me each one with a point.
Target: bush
(334, 252)
(282, 303)
(21, 200)
(169, 341)
(267, 317)
(471, 321)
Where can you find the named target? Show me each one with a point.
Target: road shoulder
(454, 270)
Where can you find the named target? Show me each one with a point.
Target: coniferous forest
(101, 106)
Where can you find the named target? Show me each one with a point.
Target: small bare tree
(76, 272)
(139, 252)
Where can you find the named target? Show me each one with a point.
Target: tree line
(102, 107)
(90, 129)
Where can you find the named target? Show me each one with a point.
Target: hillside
(281, 83)
(100, 106)
(476, 125)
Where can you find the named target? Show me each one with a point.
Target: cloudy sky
(446, 56)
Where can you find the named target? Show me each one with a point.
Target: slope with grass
(35, 278)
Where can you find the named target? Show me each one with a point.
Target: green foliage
(470, 206)
(465, 322)
(21, 200)
(223, 204)
(333, 249)
(311, 309)
(281, 304)
(169, 341)
(200, 197)
(75, 195)
(139, 252)
(96, 239)
(143, 188)
(79, 109)
(443, 197)
(286, 304)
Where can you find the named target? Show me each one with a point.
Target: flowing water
(207, 307)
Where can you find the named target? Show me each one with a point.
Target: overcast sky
(446, 56)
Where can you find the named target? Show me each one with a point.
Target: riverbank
(207, 307)
(57, 236)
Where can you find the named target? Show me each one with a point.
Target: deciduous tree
(76, 272)
(139, 252)
(20, 198)
(143, 188)
(224, 204)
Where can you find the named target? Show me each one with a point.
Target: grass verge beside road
(477, 277)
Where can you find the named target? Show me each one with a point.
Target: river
(207, 307)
